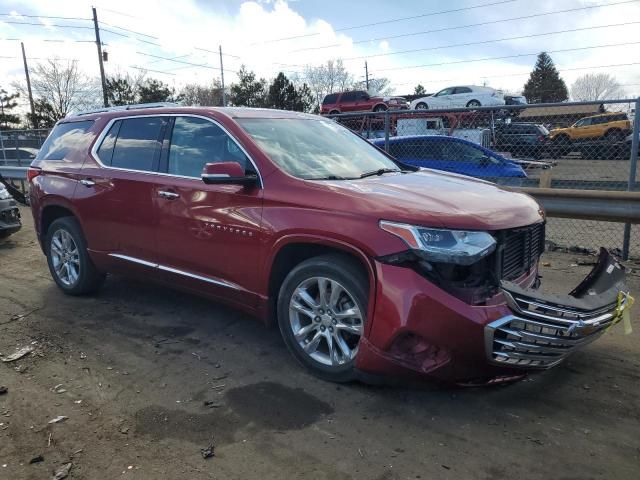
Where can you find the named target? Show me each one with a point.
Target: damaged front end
(545, 328)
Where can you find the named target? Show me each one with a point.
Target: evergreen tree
(284, 95)
(120, 90)
(153, 90)
(248, 92)
(45, 114)
(544, 84)
(8, 103)
(419, 90)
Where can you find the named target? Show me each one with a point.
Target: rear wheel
(473, 104)
(380, 108)
(69, 263)
(334, 112)
(614, 136)
(422, 106)
(321, 314)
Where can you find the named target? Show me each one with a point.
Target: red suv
(360, 101)
(369, 266)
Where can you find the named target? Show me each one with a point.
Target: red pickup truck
(360, 101)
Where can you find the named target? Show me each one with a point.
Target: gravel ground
(132, 367)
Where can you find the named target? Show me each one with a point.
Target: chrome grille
(540, 335)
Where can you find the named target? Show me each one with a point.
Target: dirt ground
(134, 365)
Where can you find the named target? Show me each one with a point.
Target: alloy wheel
(65, 257)
(326, 321)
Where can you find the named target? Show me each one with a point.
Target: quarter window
(65, 138)
(196, 142)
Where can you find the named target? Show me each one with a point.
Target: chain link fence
(581, 146)
(584, 145)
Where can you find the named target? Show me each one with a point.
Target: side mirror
(226, 173)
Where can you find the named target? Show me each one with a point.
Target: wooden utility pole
(34, 120)
(366, 74)
(224, 95)
(99, 45)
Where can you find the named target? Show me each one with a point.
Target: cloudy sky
(491, 42)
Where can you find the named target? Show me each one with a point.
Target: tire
(65, 244)
(562, 140)
(422, 106)
(301, 309)
(614, 136)
(473, 104)
(380, 108)
(4, 234)
(334, 112)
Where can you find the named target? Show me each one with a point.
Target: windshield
(315, 149)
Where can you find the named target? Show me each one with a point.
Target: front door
(208, 235)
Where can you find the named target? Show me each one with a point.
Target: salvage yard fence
(587, 149)
(556, 148)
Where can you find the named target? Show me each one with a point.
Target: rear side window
(133, 143)
(463, 90)
(330, 99)
(64, 138)
(348, 97)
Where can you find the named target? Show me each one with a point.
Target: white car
(460, 97)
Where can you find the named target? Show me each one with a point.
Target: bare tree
(377, 86)
(61, 85)
(327, 78)
(596, 86)
(202, 95)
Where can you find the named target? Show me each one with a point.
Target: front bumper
(9, 216)
(419, 329)
(544, 329)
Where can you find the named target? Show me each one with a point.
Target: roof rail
(136, 106)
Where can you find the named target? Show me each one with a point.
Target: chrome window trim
(164, 268)
(94, 150)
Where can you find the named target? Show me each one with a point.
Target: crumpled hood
(438, 199)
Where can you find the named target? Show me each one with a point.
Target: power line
(473, 60)
(169, 59)
(460, 27)
(46, 25)
(16, 15)
(431, 14)
(520, 74)
(127, 30)
(149, 70)
(484, 42)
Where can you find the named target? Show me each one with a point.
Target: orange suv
(610, 126)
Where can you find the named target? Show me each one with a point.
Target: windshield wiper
(331, 177)
(379, 172)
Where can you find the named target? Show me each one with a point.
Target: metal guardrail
(13, 173)
(608, 206)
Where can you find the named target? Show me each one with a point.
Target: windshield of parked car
(315, 149)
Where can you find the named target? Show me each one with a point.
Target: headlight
(4, 193)
(440, 245)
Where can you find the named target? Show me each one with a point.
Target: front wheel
(422, 106)
(321, 314)
(68, 260)
(380, 108)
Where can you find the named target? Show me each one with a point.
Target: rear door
(583, 129)
(461, 96)
(117, 196)
(208, 235)
(348, 102)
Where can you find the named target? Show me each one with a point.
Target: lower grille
(541, 335)
(519, 250)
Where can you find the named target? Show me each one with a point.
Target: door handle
(168, 195)
(87, 182)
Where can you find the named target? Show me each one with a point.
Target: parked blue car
(454, 155)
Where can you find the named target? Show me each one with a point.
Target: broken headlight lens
(4, 194)
(459, 247)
